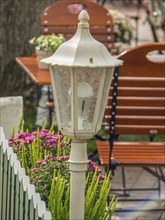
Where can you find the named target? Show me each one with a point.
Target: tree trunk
(19, 22)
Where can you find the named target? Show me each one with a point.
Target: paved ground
(137, 177)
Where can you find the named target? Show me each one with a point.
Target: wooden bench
(136, 106)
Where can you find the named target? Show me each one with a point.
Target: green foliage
(47, 42)
(96, 202)
(29, 117)
(24, 159)
(90, 198)
(59, 198)
(20, 127)
(44, 126)
(13, 133)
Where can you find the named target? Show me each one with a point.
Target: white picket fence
(18, 199)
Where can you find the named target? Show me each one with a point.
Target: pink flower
(48, 157)
(35, 132)
(63, 158)
(44, 133)
(34, 170)
(41, 162)
(63, 144)
(93, 166)
(102, 177)
(23, 135)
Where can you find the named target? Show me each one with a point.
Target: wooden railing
(18, 199)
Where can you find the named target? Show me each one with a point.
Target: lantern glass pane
(88, 81)
(62, 82)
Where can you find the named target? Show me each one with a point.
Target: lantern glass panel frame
(81, 95)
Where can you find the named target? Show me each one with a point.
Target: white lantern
(81, 71)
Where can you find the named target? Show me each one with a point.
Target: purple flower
(91, 163)
(53, 136)
(52, 141)
(93, 166)
(63, 144)
(29, 139)
(63, 158)
(102, 177)
(23, 135)
(41, 162)
(35, 132)
(48, 157)
(12, 141)
(44, 133)
(34, 170)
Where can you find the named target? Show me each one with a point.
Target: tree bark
(19, 22)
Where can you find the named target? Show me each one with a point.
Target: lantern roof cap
(82, 50)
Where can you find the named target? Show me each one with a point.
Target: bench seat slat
(133, 153)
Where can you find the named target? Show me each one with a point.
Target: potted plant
(45, 46)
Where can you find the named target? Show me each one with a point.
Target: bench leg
(157, 172)
(123, 181)
(163, 178)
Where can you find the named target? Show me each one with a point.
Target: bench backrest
(136, 103)
(62, 18)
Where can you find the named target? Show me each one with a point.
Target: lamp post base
(78, 167)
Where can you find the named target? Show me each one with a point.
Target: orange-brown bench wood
(140, 110)
(58, 18)
(133, 153)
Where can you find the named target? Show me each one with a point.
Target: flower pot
(41, 54)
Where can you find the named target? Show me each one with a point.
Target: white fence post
(9, 153)
(4, 179)
(31, 192)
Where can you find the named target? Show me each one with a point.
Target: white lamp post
(81, 72)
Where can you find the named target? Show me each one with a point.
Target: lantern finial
(83, 18)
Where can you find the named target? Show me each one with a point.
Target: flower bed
(44, 155)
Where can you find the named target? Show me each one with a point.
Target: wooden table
(41, 77)
(29, 65)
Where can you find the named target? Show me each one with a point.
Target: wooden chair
(136, 106)
(62, 18)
